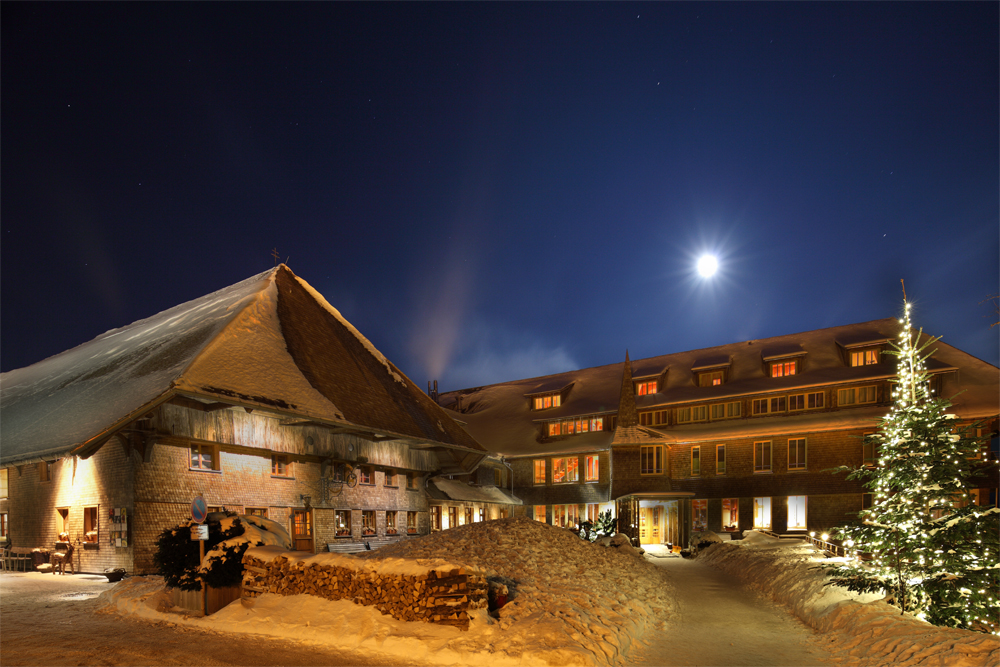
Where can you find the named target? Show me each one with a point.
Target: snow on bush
(863, 629)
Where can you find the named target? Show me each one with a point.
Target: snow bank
(863, 630)
(572, 603)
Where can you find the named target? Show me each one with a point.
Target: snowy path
(720, 622)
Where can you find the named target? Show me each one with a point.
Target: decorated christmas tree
(924, 540)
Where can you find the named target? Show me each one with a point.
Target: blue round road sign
(199, 510)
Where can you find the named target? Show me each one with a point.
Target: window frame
(256, 511)
(720, 461)
(390, 523)
(646, 387)
(547, 402)
(803, 510)
(4, 483)
(201, 447)
(593, 468)
(342, 523)
(411, 526)
(726, 410)
(696, 460)
(802, 465)
(868, 356)
(870, 444)
(656, 454)
(784, 368)
(44, 471)
(711, 378)
(567, 468)
(732, 505)
(436, 517)
(366, 476)
(279, 460)
(92, 524)
(543, 470)
(497, 477)
(389, 479)
(855, 395)
(452, 516)
(762, 507)
(699, 515)
(761, 467)
(369, 523)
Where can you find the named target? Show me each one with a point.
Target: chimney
(433, 394)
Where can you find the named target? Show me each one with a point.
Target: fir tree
(924, 541)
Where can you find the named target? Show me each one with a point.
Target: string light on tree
(926, 544)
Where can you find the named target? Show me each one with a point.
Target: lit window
(699, 515)
(864, 357)
(280, 467)
(411, 523)
(342, 520)
(593, 512)
(710, 379)
(565, 470)
(569, 428)
(482, 514)
(730, 514)
(540, 513)
(468, 515)
(797, 454)
(452, 517)
(436, 517)
(593, 468)
(256, 511)
(3, 525)
(539, 471)
(783, 368)
(597, 424)
(554, 428)
(651, 460)
(390, 523)
(695, 461)
(3, 483)
(91, 525)
(720, 459)
(565, 516)
(645, 388)
(796, 512)
(204, 457)
(367, 522)
(762, 456)
(856, 395)
(62, 522)
(762, 513)
(545, 402)
(582, 425)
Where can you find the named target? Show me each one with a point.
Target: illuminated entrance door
(302, 530)
(672, 532)
(651, 525)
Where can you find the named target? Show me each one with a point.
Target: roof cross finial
(274, 253)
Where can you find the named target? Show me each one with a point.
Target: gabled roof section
(270, 341)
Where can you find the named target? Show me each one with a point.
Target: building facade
(726, 438)
(260, 398)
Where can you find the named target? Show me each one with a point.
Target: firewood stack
(439, 596)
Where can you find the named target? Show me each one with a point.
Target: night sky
(498, 191)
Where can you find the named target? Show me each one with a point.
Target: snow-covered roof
(268, 342)
(442, 488)
(502, 419)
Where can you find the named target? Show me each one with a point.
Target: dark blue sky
(495, 191)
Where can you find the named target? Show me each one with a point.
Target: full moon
(707, 265)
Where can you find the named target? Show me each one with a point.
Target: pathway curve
(720, 622)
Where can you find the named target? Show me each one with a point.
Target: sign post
(199, 512)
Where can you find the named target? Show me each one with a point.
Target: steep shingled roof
(269, 342)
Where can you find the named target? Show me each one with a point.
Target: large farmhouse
(725, 438)
(260, 398)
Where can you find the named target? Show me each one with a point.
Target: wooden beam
(192, 404)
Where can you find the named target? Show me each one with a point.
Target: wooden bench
(15, 556)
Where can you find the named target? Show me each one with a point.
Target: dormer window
(645, 388)
(864, 357)
(783, 368)
(550, 401)
(710, 379)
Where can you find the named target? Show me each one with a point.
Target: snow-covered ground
(577, 603)
(861, 629)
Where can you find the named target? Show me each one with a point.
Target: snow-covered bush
(229, 536)
(604, 526)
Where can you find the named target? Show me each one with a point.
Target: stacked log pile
(442, 596)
